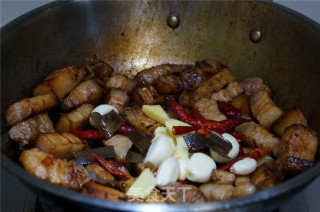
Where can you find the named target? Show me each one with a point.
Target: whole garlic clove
(182, 154)
(159, 150)
(160, 130)
(244, 166)
(233, 153)
(199, 168)
(168, 171)
(183, 168)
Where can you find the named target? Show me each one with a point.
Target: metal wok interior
(135, 35)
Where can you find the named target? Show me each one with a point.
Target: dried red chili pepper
(110, 166)
(183, 181)
(238, 137)
(195, 114)
(88, 134)
(254, 154)
(241, 152)
(182, 114)
(178, 130)
(225, 125)
(197, 120)
(124, 128)
(229, 110)
(205, 132)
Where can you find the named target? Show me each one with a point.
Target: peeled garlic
(102, 109)
(159, 150)
(168, 171)
(182, 151)
(182, 154)
(199, 167)
(244, 166)
(160, 130)
(183, 168)
(233, 153)
(171, 140)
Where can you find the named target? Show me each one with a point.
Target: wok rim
(289, 185)
(305, 178)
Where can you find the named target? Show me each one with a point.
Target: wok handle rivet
(173, 21)
(255, 36)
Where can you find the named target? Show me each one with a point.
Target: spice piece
(107, 124)
(140, 141)
(195, 142)
(84, 157)
(133, 157)
(218, 144)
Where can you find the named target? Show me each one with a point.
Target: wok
(283, 49)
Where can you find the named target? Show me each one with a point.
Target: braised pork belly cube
(55, 170)
(28, 107)
(124, 185)
(258, 137)
(77, 176)
(241, 102)
(169, 84)
(100, 175)
(222, 177)
(76, 119)
(209, 86)
(297, 151)
(191, 78)
(253, 84)
(103, 192)
(121, 145)
(149, 76)
(216, 192)
(117, 98)
(263, 177)
(62, 81)
(290, 117)
(208, 67)
(177, 190)
(89, 92)
(244, 189)
(60, 145)
(227, 94)
(26, 132)
(102, 72)
(122, 82)
(136, 118)
(264, 109)
(209, 109)
(147, 96)
(37, 162)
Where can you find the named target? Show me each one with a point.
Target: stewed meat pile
(170, 134)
